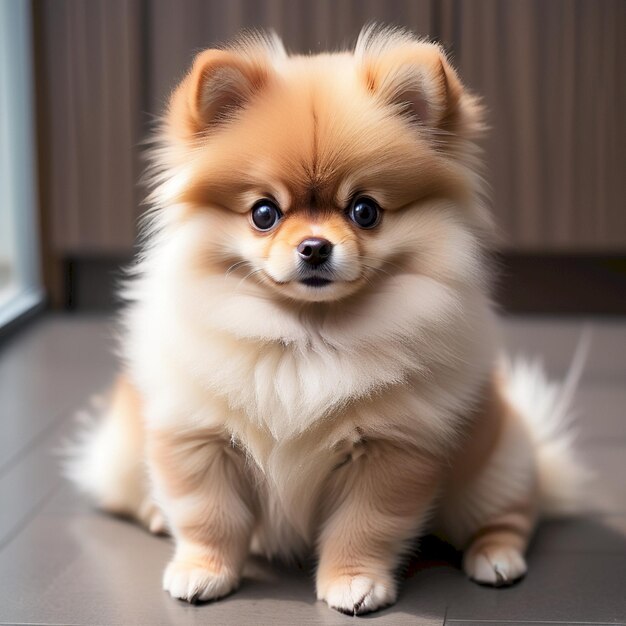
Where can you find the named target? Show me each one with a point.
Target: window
(20, 286)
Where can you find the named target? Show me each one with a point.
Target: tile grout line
(522, 621)
(602, 442)
(53, 624)
(40, 437)
(22, 523)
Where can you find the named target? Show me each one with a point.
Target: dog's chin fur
(343, 417)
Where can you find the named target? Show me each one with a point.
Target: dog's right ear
(219, 83)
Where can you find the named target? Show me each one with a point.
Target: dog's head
(314, 177)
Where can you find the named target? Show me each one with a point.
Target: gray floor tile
(28, 483)
(474, 622)
(24, 487)
(608, 487)
(600, 413)
(94, 569)
(48, 369)
(554, 340)
(594, 535)
(567, 587)
(67, 564)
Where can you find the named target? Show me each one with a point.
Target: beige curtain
(90, 93)
(553, 75)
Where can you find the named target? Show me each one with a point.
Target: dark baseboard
(526, 283)
(92, 284)
(562, 284)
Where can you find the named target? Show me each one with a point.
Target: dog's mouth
(315, 281)
(315, 287)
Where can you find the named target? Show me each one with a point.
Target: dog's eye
(364, 212)
(265, 215)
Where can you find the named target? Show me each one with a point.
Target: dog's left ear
(418, 79)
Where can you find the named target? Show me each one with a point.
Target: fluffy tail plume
(546, 407)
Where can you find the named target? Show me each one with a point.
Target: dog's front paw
(359, 594)
(190, 581)
(494, 564)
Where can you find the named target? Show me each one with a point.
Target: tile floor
(63, 563)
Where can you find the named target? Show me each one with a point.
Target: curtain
(551, 74)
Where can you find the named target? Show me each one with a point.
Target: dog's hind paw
(151, 517)
(494, 564)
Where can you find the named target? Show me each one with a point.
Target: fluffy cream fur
(279, 417)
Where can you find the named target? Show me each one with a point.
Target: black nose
(315, 250)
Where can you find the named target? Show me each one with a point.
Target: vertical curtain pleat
(552, 77)
(90, 56)
(551, 73)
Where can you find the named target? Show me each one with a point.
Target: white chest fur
(292, 386)
(283, 370)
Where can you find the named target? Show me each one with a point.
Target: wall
(552, 76)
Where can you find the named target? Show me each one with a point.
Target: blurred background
(82, 81)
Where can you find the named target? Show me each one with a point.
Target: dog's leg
(500, 509)
(376, 503)
(203, 490)
(495, 555)
(490, 503)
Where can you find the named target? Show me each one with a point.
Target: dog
(311, 356)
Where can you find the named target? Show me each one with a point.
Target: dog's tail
(546, 408)
(106, 460)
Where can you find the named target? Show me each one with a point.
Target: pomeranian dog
(311, 355)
